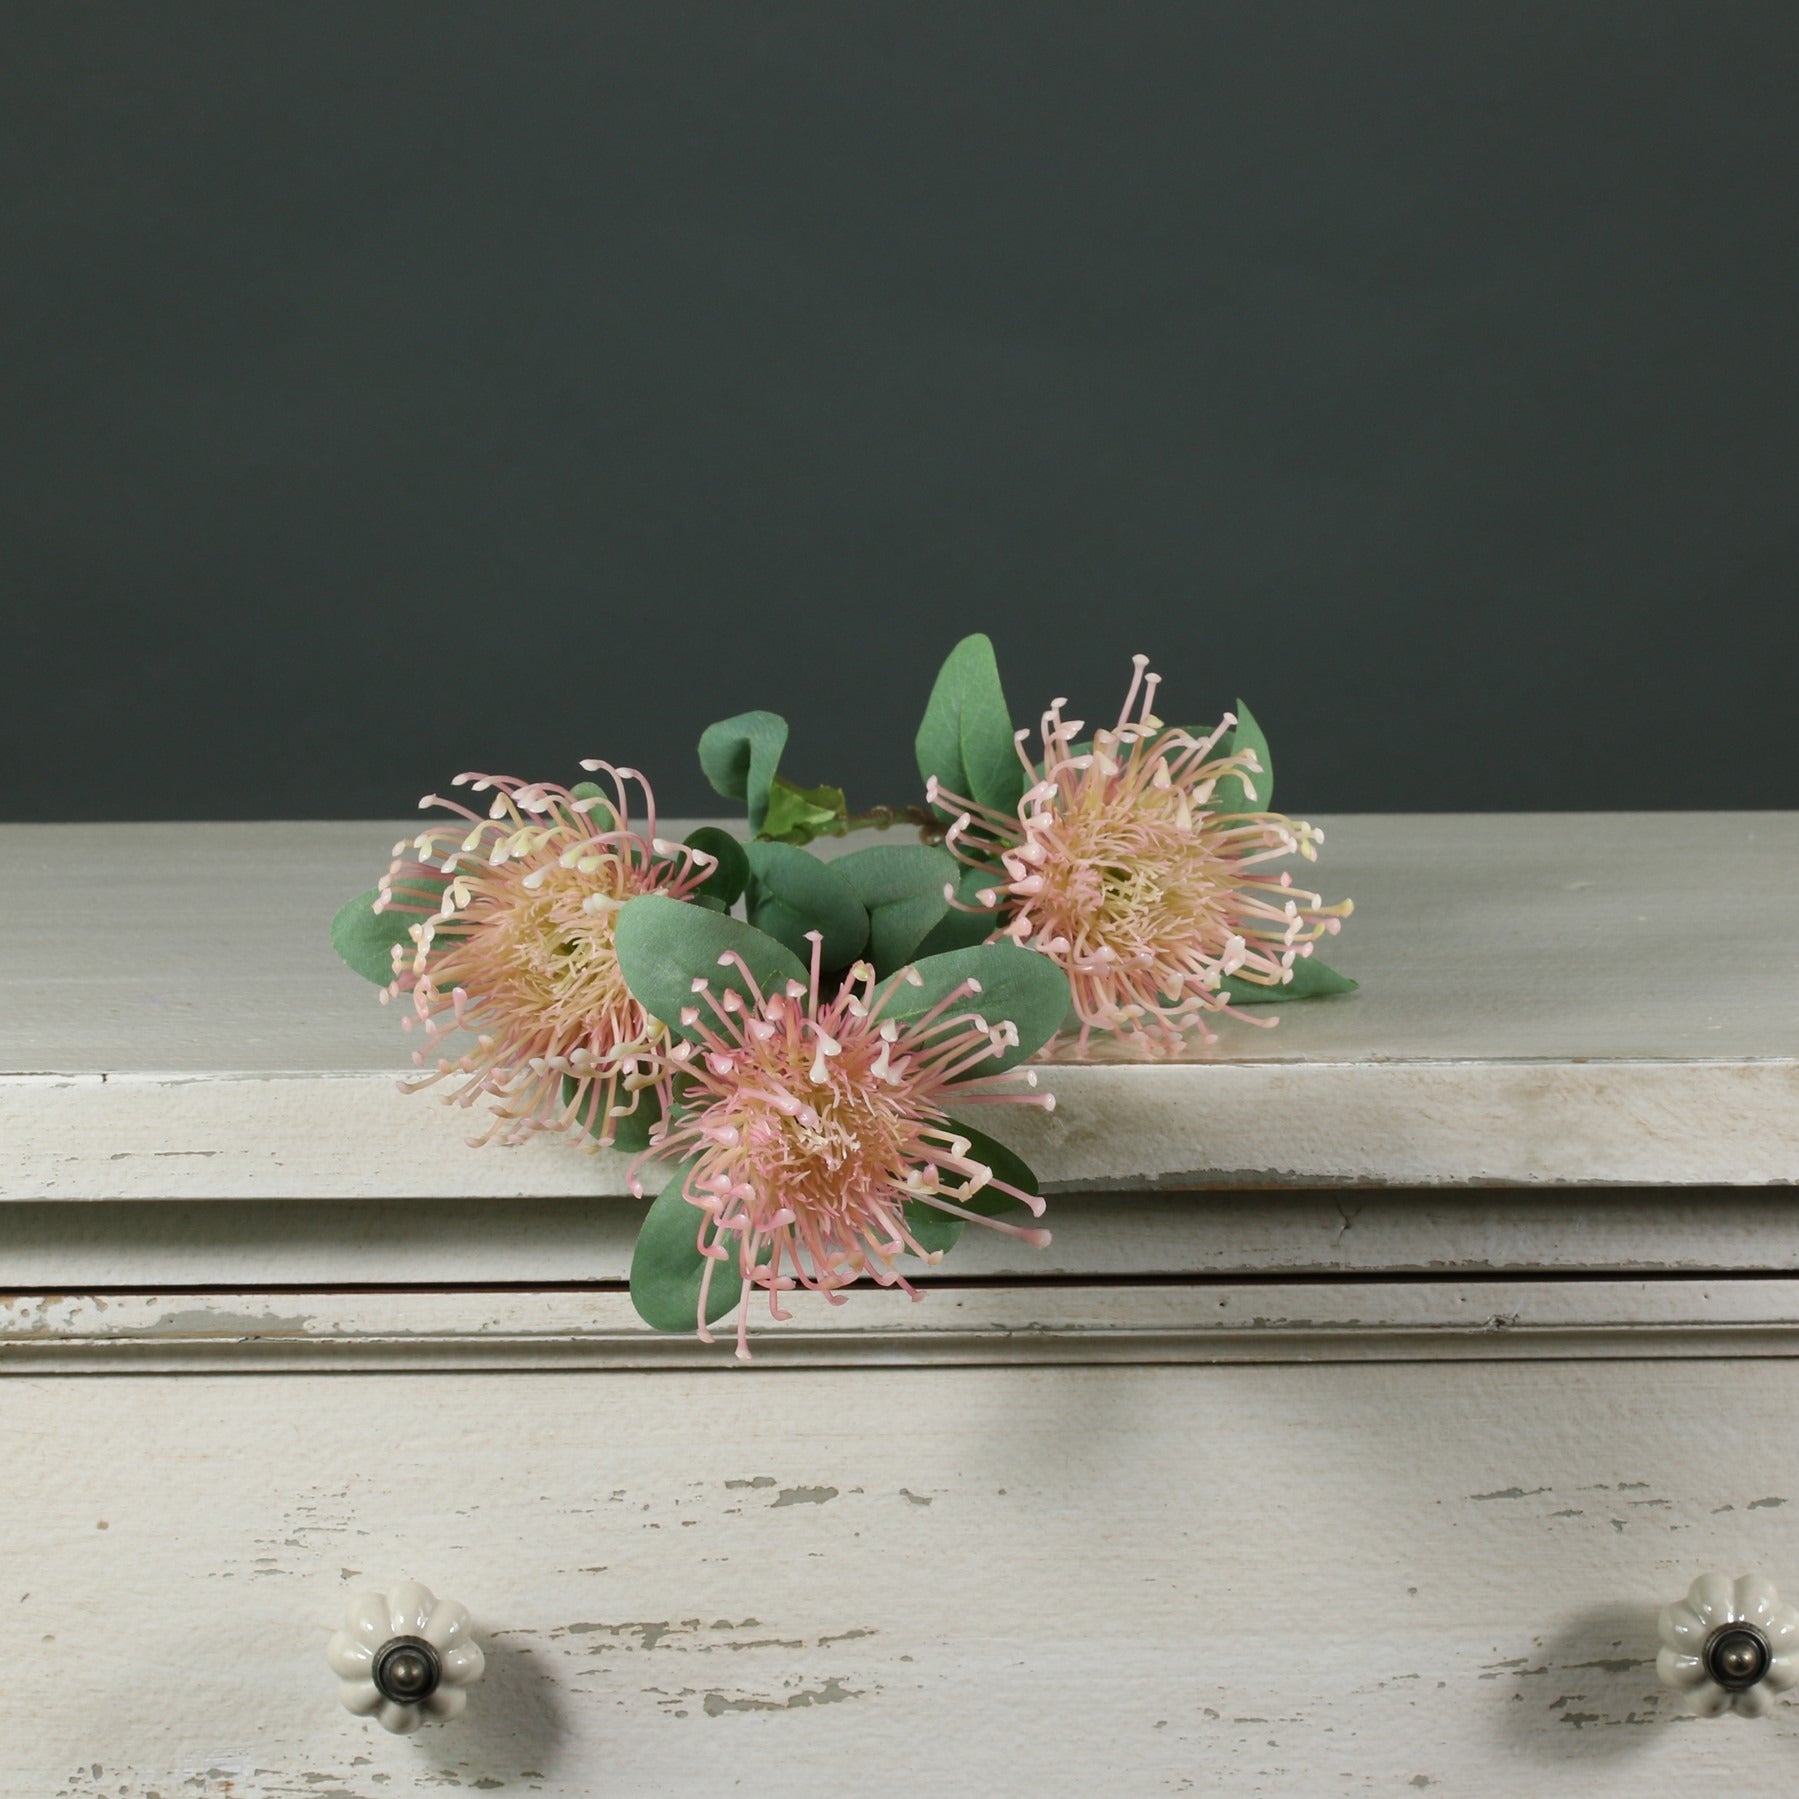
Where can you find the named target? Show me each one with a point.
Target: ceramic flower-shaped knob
(404, 1656)
(1730, 1645)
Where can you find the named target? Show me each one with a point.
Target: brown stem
(883, 818)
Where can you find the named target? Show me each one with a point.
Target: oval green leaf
(965, 738)
(791, 892)
(1016, 984)
(968, 922)
(900, 886)
(600, 816)
(365, 938)
(935, 1231)
(1312, 979)
(732, 873)
(664, 947)
(1232, 794)
(667, 1268)
(1007, 1165)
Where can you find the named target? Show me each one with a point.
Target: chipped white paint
(1249, 1536)
(1245, 1580)
(1010, 1325)
(1519, 1023)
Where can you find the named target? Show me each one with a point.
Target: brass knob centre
(407, 1670)
(1737, 1656)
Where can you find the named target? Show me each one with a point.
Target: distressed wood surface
(259, 1331)
(1321, 1532)
(325, 1243)
(1249, 1580)
(315, 1136)
(1537, 937)
(1527, 1018)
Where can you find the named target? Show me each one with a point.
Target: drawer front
(1055, 1579)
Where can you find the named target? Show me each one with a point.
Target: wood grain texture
(260, 1332)
(1526, 1019)
(1373, 1579)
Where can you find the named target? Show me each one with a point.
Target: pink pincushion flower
(811, 1122)
(1119, 868)
(518, 950)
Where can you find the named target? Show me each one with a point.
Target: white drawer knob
(1730, 1645)
(404, 1656)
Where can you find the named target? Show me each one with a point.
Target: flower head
(1119, 866)
(811, 1122)
(516, 948)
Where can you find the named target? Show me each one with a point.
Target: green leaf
(1016, 984)
(935, 1230)
(740, 756)
(600, 817)
(1231, 795)
(365, 938)
(798, 814)
(965, 738)
(1312, 979)
(960, 929)
(900, 886)
(631, 1130)
(667, 1268)
(664, 946)
(728, 880)
(791, 892)
(1007, 1165)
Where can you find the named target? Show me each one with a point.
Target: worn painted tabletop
(1545, 998)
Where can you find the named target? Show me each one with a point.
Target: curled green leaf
(741, 756)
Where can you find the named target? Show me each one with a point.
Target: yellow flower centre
(846, 1142)
(555, 956)
(1122, 881)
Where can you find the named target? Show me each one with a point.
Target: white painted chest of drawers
(1387, 1373)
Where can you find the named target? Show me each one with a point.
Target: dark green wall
(390, 389)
